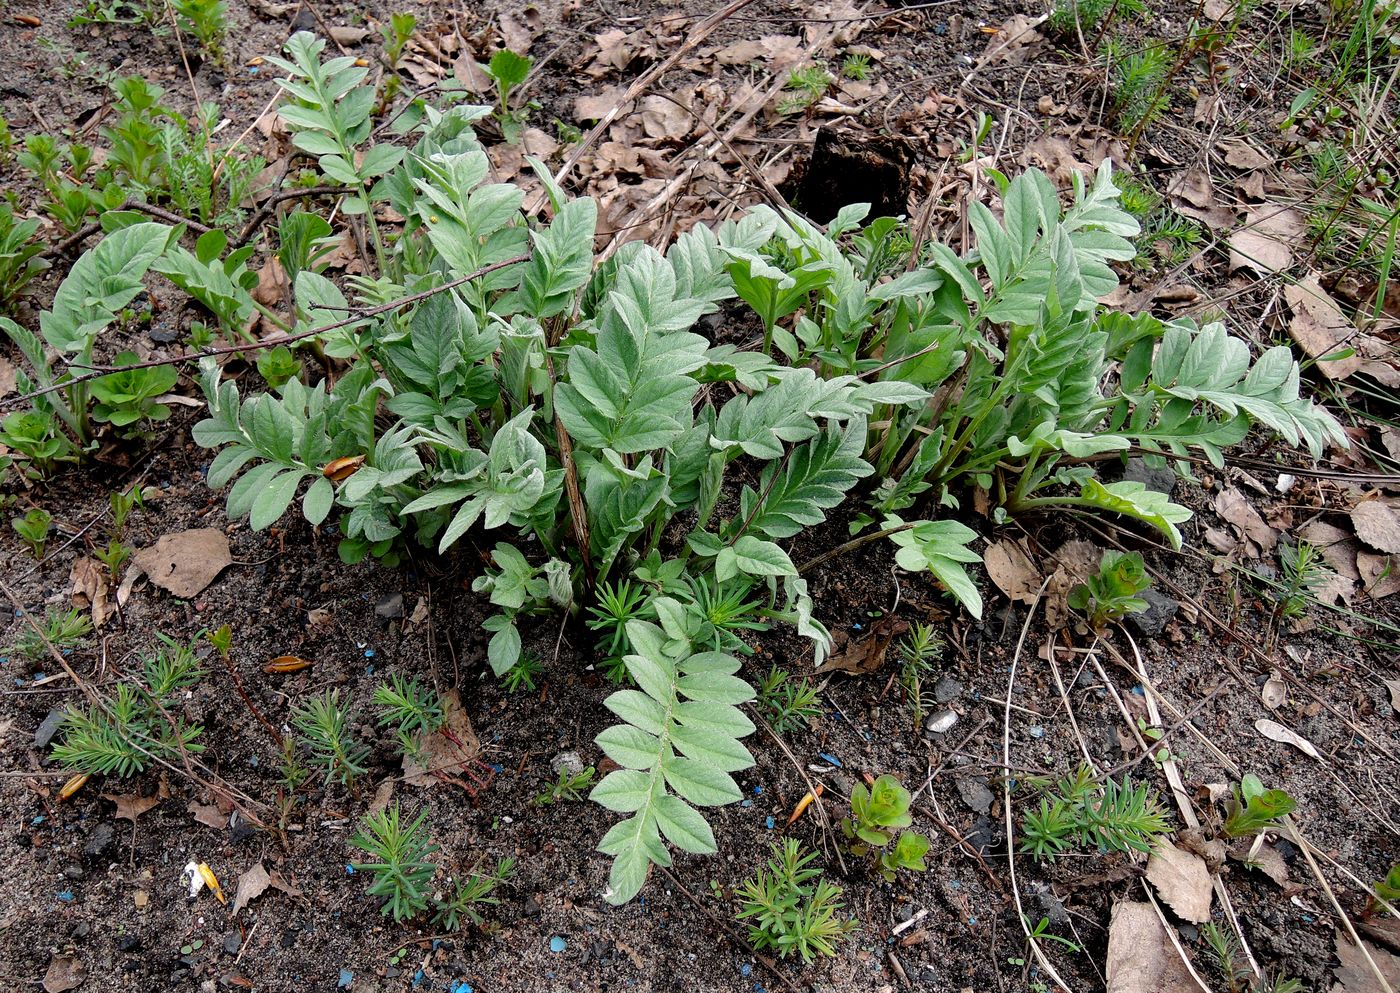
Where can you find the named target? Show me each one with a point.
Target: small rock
(976, 795)
(1162, 480)
(44, 733)
(233, 941)
(99, 841)
(570, 762)
(1153, 621)
(940, 721)
(947, 688)
(390, 606)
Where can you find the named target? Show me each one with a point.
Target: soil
(81, 883)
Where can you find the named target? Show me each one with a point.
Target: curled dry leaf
(1275, 731)
(1377, 525)
(1141, 958)
(1012, 571)
(186, 562)
(1182, 880)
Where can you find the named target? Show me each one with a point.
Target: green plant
(206, 21)
(789, 704)
(877, 813)
(20, 254)
(677, 748)
(790, 908)
(63, 629)
(320, 723)
(807, 85)
(401, 871)
(477, 890)
(126, 398)
(413, 710)
(1115, 817)
(33, 529)
(1112, 593)
(567, 786)
(523, 674)
(122, 733)
(1252, 809)
(917, 651)
(508, 70)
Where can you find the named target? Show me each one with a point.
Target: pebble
(570, 762)
(940, 721)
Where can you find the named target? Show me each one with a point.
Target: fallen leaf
(1320, 327)
(448, 750)
(867, 655)
(1232, 506)
(1275, 731)
(1265, 243)
(1353, 973)
(132, 807)
(1182, 880)
(1141, 958)
(1012, 571)
(65, 972)
(186, 562)
(1377, 525)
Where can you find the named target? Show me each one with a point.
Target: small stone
(940, 721)
(947, 688)
(1153, 621)
(44, 733)
(390, 606)
(976, 795)
(570, 762)
(233, 941)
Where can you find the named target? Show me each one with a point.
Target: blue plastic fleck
(346, 978)
(830, 758)
(557, 944)
(66, 896)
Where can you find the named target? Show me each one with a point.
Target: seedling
(876, 813)
(789, 704)
(63, 629)
(33, 529)
(321, 724)
(413, 710)
(790, 908)
(1252, 809)
(568, 786)
(477, 890)
(1112, 593)
(401, 873)
(1115, 817)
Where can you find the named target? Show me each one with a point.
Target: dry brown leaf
(131, 807)
(1265, 243)
(1141, 958)
(186, 562)
(1377, 525)
(1320, 327)
(1182, 880)
(1012, 571)
(1353, 972)
(89, 589)
(445, 752)
(65, 972)
(1275, 731)
(867, 655)
(1233, 507)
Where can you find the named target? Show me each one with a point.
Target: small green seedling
(790, 908)
(1254, 809)
(876, 814)
(401, 872)
(568, 786)
(1112, 593)
(33, 529)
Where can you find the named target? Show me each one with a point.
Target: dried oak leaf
(186, 562)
